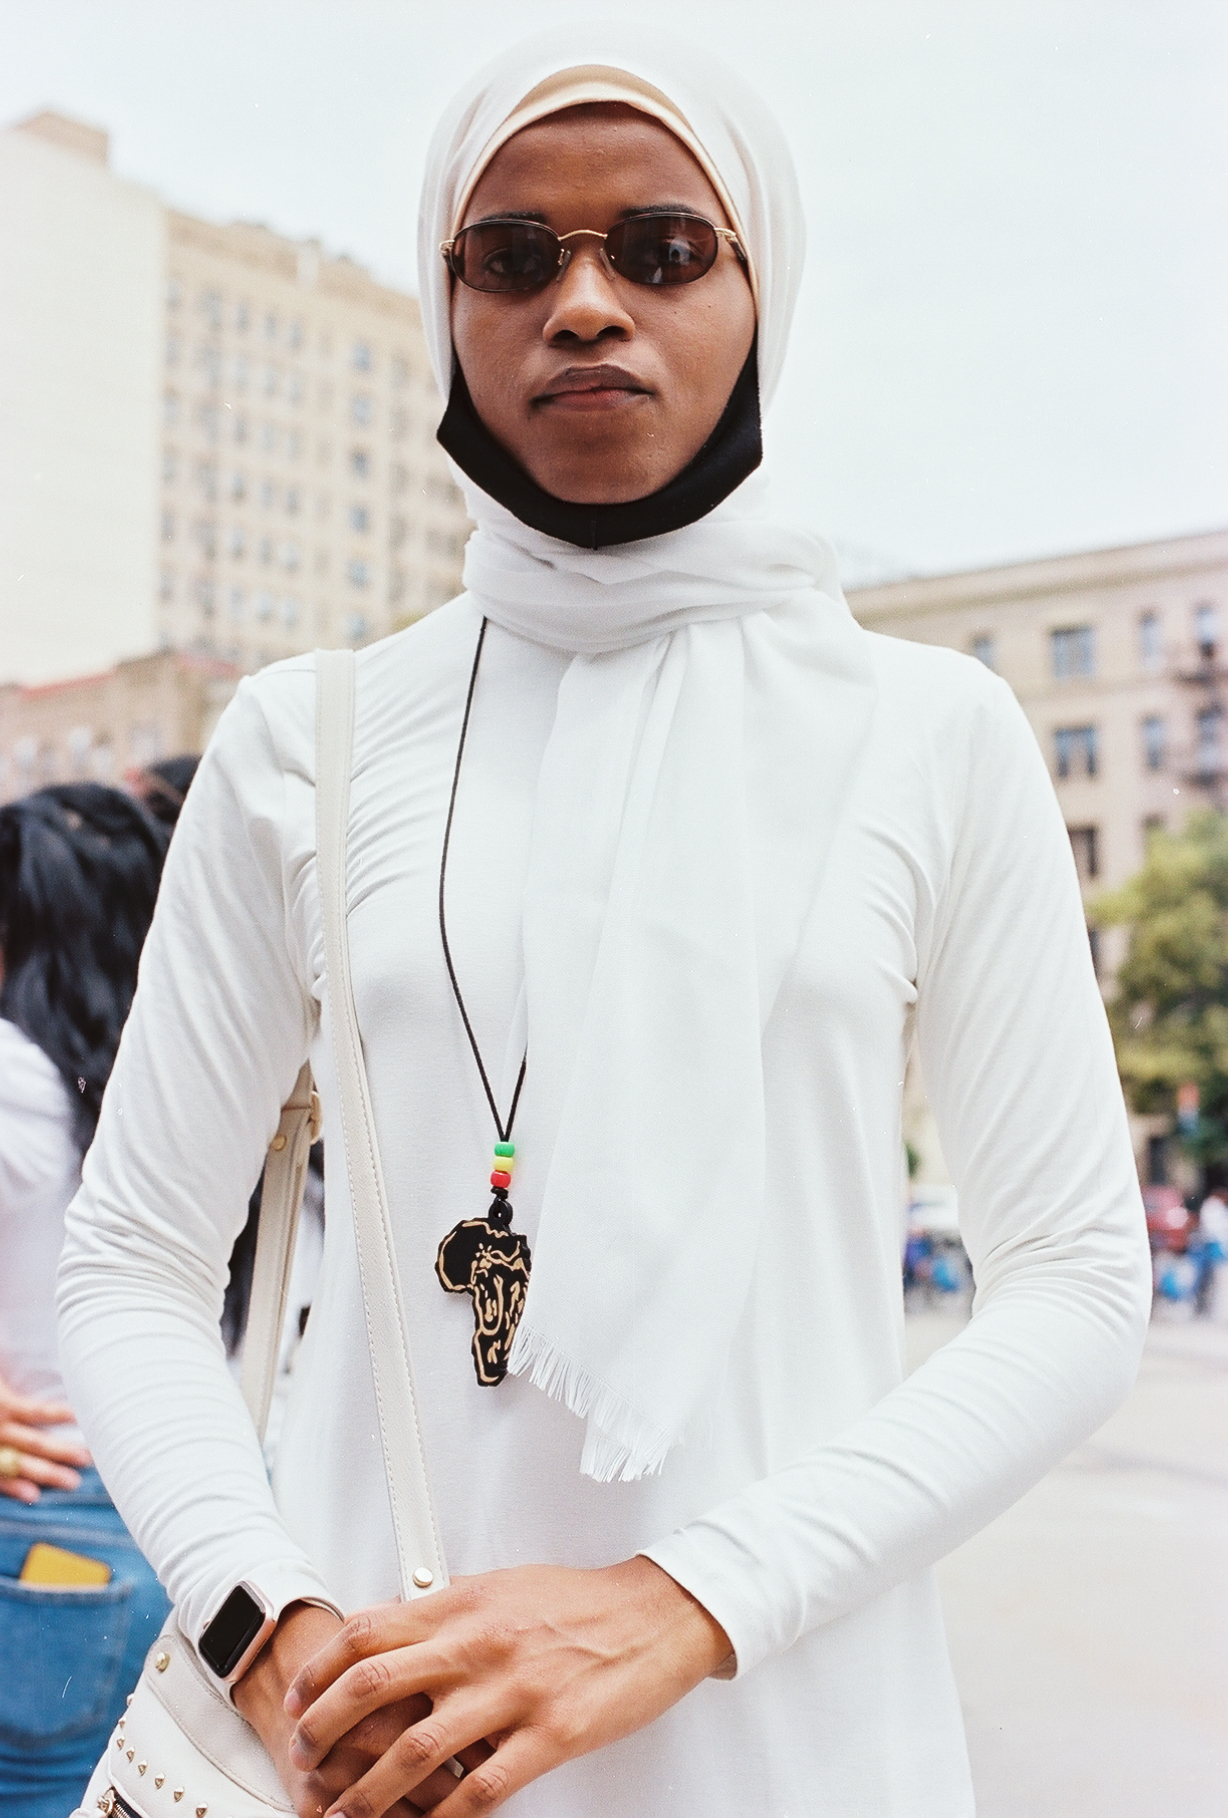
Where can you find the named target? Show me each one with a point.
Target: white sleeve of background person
(1019, 1064)
(217, 1034)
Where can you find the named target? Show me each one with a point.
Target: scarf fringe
(619, 1445)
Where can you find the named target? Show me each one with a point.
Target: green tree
(1170, 1010)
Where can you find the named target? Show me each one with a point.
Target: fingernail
(292, 1703)
(76, 1481)
(298, 1754)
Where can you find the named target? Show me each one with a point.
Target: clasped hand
(510, 1673)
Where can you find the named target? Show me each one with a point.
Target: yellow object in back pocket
(54, 1566)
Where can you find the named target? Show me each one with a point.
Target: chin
(617, 483)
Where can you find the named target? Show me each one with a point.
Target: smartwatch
(232, 1640)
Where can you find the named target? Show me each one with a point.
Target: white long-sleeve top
(40, 1170)
(949, 909)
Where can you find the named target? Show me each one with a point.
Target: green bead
(505, 1148)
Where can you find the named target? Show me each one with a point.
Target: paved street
(1089, 1625)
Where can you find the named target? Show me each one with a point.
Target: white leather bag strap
(285, 1176)
(419, 1548)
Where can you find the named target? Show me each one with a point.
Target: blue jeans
(69, 1657)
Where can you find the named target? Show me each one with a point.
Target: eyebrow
(646, 208)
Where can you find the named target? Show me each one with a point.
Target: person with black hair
(162, 787)
(79, 871)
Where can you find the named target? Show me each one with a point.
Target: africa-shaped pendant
(486, 1258)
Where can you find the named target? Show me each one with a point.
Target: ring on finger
(10, 1462)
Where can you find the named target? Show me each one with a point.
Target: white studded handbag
(182, 1750)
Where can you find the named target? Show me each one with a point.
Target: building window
(983, 651)
(1074, 652)
(1093, 941)
(166, 585)
(294, 500)
(265, 604)
(1076, 751)
(1085, 844)
(1155, 741)
(360, 407)
(362, 356)
(174, 347)
(398, 369)
(1150, 642)
(174, 293)
(294, 445)
(360, 462)
(266, 550)
(168, 527)
(270, 327)
(204, 596)
(268, 494)
(355, 627)
(211, 307)
(398, 477)
(294, 332)
(360, 518)
(170, 464)
(236, 542)
(289, 612)
(294, 388)
(243, 317)
(170, 410)
(358, 572)
(238, 484)
(240, 428)
(398, 424)
(242, 372)
(1152, 824)
(268, 437)
(291, 556)
(1206, 628)
(398, 530)
(236, 605)
(1209, 759)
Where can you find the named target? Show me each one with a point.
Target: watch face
(231, 1632)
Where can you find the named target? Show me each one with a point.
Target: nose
(585, 305)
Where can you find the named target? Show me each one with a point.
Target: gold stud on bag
(180, 1717)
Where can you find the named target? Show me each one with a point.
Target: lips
(591, 386)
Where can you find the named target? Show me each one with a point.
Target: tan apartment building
(1120, 660)
(99, 728)
(212, 438)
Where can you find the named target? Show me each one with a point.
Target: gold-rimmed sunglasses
(511, 256)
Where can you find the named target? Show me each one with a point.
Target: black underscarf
(732, 451)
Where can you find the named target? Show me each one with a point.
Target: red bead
(500, 1179)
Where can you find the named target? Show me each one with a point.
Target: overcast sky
(1011, 339)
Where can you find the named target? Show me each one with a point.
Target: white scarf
(706, 735)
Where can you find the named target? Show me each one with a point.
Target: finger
(381, 1679)
(20, 1489)
(418, 1756)
(375, 1631)
(43, 1445)
(40, 1413)
(51, 1476)
(523, 1757)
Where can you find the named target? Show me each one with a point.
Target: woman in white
(717, 858)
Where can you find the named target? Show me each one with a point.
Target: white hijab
(706, 734)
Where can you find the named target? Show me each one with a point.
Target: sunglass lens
(662, 249)
(505, 255)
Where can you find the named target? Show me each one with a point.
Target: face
(603, 390)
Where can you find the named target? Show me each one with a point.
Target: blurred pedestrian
(79, 872)
(163, 786)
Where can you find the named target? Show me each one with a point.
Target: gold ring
(10, 1462)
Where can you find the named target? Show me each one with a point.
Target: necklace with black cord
(484, 1257)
